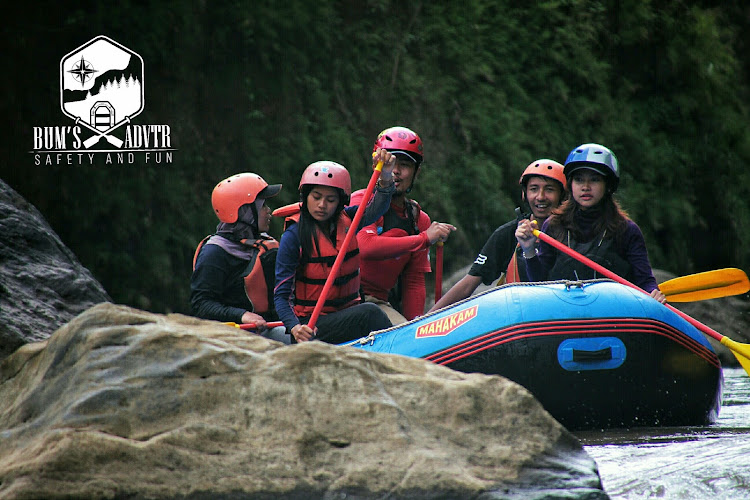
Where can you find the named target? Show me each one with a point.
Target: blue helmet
(597, 158)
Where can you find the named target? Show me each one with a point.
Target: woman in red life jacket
(233, 269)
(591, 222)
(543, 188)
(308, 250)
(395, 249)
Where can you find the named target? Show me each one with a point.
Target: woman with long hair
(592, 223)
(308, 250)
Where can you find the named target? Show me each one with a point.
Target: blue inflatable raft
(596, 354)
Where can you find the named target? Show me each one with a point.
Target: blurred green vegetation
(489, 85)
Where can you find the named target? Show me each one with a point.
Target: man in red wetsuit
(394, 252)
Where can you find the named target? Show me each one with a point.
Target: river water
(711, 462)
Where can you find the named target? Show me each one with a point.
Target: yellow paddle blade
(707, 285)
(740, 351)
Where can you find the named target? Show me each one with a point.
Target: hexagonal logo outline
(101, 88)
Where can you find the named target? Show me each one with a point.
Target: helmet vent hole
(316, 174)
(330, 176)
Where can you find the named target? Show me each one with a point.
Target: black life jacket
(601, 250)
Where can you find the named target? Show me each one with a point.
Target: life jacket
(601, 250)
(258, 277)
(311, 276)
(391, 220)
(290, 213)
(512, 274)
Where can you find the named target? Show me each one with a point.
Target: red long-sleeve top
(386, 255)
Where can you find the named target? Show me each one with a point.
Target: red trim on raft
(586, 327)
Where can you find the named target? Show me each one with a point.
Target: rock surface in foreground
(42, 284)
(123, 403)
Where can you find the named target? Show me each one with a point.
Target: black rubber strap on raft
(600, 355)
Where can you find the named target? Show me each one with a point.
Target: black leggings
(350, 323)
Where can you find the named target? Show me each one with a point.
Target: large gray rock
(121, 403)
(42, 284)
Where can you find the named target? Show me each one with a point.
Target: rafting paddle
(706, 285)
(439, 271)
(253, 326)
(741, 351)
(349, 235)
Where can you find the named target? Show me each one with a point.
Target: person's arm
(393, 243)
(287, 261)
(207, 285)
(636, 254)
(385, 188)
(376, 208)
(464, 288)
(538, 263)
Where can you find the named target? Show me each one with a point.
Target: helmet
(594, 157)
(327, 173)
(544, 168)
(233, 192)
(400, 140)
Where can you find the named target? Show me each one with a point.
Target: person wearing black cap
(591, 222)
(233, 269)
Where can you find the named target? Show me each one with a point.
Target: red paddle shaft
(439, 271)
(609, 274)
(342, 251)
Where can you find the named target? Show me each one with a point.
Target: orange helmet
(327, 173)
(544, 168)
(233, 192)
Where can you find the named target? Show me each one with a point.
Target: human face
(264, 219)
(322, 202)
(543, 195)
(587, 187)
(404, 173)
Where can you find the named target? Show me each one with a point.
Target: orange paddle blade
(706, 285)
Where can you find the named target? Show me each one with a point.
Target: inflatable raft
(596, 354)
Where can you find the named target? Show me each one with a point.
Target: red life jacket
(511, 274)
(255, 280)
(311, 277)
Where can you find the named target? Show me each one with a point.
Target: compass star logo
(101, 88)
(82, 71)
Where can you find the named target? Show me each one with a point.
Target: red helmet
(233, 192)
(400, 140)
(544, 168)
(327, 173)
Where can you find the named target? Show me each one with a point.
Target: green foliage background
(489, 85)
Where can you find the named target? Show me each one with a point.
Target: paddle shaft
(609, 274)
(439, 271)
(253, 326)
(342, 251)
